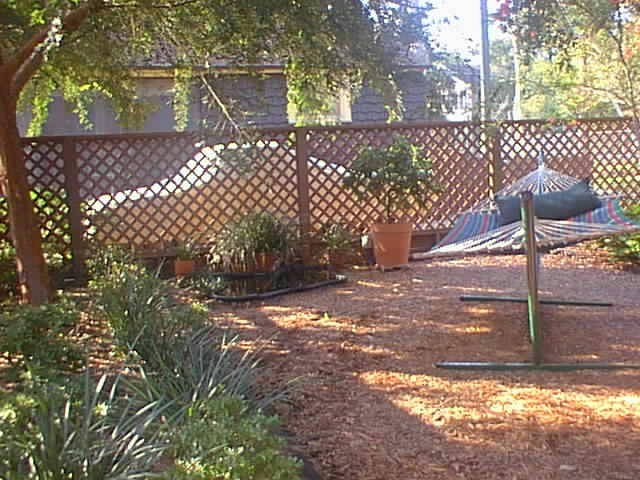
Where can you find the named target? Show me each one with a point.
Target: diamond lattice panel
(45, 165)
(148, 190)
(616, 161)
(456, 151)
(605, 150)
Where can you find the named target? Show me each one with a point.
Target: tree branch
(24, 64)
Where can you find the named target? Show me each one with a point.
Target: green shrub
(133, 302)
(199, 366)
(53, 435)
(106, 261)
(254, 234)
(37, 337)
(398, 175)
(625, 248)
(222, 439)
(57, 263)
(8, 275)
(141, 314)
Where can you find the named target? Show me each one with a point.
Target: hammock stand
(528, 243)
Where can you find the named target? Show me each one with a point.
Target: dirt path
(371, 405)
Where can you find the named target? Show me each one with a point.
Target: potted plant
(338, 244)
(255, 242)
(398, 175)
(185, 263)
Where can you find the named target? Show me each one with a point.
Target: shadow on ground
(371, 405)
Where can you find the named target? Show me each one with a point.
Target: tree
(80, 47)
(592, 46)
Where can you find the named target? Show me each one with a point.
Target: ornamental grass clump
(96, 435)
(201, 365)
(253, 236)
(398, 175)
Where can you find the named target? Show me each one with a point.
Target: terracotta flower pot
(339, 259)
(391, 244)
(183, 267)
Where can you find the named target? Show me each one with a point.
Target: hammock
(478, 231)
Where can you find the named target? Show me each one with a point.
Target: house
(260, 93)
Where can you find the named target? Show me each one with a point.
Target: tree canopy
(588, 49)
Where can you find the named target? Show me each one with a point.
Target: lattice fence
(45, 164)
(156, 189)
(460, 168)
(605, 150)
(181, 187)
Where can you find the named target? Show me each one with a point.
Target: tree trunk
(33, 277)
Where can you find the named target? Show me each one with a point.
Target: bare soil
(370, 404)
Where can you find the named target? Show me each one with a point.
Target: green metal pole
(550, 301)
(528, 224)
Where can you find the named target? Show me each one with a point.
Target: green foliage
(106, 262)
(8, 274)
(342, 44)
(255, 233)
(133, 302)
(186, 251)
(182, 97)
(99, 435)
(580, 50)
(625, 249)
(396, 175)
(141, 315)
(200, 365)
(37, 337)
(222, 439)
(336, 237)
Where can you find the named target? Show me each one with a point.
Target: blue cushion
(576, 200)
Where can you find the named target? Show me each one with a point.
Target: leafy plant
(98, 436)
(37, 337)
(221, 438)
(141, 314)
(254, 234)
(396, 175)
(8, 275)
(336, 237)
(106, 261)
(133, 302)
(625, 248)
(186, 251)
(199, 366)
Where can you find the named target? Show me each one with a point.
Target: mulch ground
(371, 405)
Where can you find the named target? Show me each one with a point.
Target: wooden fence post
(302, 172)
(495, 162)
(78, 253)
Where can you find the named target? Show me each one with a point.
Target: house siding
(259, 101)
(368, 107)
(263, 99)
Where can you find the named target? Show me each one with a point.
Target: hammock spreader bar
(533, 301)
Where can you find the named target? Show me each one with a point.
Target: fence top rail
(317, 128)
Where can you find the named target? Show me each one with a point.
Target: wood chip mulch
(371, 405)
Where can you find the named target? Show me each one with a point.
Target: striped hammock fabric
(478, 231)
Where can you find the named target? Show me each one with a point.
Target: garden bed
(243, 286)
(371, 404)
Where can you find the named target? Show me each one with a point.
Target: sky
(462, 33)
